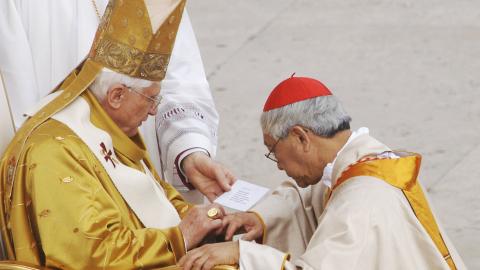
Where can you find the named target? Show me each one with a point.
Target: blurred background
(407, 69)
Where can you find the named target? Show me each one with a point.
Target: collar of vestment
(358, 148)
(131, 147)
(328, 170)
(137, 184)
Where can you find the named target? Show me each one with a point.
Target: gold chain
(96, 9)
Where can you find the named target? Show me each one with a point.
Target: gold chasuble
(70, 201)
(401, 173)
(61, 205)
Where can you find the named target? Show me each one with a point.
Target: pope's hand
(199, 222)
(207, 256)
(248, 221)
(206, 175)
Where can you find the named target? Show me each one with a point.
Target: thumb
(211, 196)
(251, 235)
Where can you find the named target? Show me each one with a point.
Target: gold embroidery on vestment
(67, 179)
(44, 213)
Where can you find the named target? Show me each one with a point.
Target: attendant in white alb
(355, 203)
(42, 41)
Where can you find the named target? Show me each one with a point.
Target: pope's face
(292, 158)
(136, 107)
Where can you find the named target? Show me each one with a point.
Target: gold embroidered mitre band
(125, 42)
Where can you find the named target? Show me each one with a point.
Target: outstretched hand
(246, 221)
(211, 178)
(207, 256)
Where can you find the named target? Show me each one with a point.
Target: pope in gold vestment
(74, 213)
(61, 205)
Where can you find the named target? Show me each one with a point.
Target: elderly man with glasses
(40, 48)
(79, 189)
(355, 203)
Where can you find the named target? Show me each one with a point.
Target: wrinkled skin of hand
(207, 256)
(196, 224)
(206, 175)
(248, 221)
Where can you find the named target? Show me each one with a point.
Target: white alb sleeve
(16, 64)
(256, 256)
(186, 117)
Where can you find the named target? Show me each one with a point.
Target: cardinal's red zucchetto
(295, 89)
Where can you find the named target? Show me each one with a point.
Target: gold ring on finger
(213, 212)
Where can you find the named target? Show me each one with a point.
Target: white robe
(42, 41)
(367, 224)
(7, 130)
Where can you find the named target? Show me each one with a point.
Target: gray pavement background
(408, 70)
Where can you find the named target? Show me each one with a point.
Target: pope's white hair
(108, 77)
(323, 115)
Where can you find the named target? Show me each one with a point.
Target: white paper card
(242, 196)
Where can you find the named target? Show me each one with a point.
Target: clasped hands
(212, 179)
(197, 225)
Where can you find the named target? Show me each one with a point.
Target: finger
(217, 191)
(189, 259)
(227, 219)
(232, 228)
(221, 178)
(220, 213)
(211, 196)
(198, 265)
(208, 265)
(208, 187)
(185, 258)
(212, 192)
(229, 175)
(252, 235)
(189, 263)
(219, 231)
(182, 261)
(219, 207)
(225, 222)
(214, 224)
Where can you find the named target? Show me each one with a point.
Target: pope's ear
(115, 96)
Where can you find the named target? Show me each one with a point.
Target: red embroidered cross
(107, 154)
